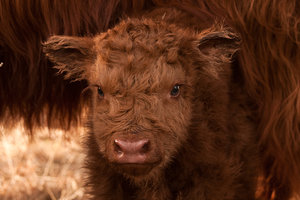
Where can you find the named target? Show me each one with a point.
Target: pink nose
(131, 152)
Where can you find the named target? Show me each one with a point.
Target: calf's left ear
(221, 45)
(71, 55)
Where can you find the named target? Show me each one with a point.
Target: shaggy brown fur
(198, 141)
(29, 88)
(268, 59)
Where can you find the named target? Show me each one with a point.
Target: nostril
(117, 147)
(146, 147)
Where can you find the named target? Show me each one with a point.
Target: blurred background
(46, 167)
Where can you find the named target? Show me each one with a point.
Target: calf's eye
(100, 92)
(175, 91)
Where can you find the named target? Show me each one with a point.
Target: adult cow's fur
(268, 60)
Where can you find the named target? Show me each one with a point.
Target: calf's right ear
(71, 55)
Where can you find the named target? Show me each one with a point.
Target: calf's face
(142, 76)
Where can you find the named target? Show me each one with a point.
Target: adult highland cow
(268, 59)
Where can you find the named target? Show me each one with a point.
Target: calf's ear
(71, 55)
(220, 45)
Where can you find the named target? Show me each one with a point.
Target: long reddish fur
(269, 58)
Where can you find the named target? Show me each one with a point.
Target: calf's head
(143, 76)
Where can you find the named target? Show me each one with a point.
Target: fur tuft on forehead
(142, 56)
(139, 39)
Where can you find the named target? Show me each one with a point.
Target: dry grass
(47, 168)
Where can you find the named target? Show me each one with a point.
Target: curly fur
(268, 59)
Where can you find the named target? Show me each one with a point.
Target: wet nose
(134, 152)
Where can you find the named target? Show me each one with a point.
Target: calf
(168, 116)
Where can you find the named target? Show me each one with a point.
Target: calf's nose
(131, 152)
